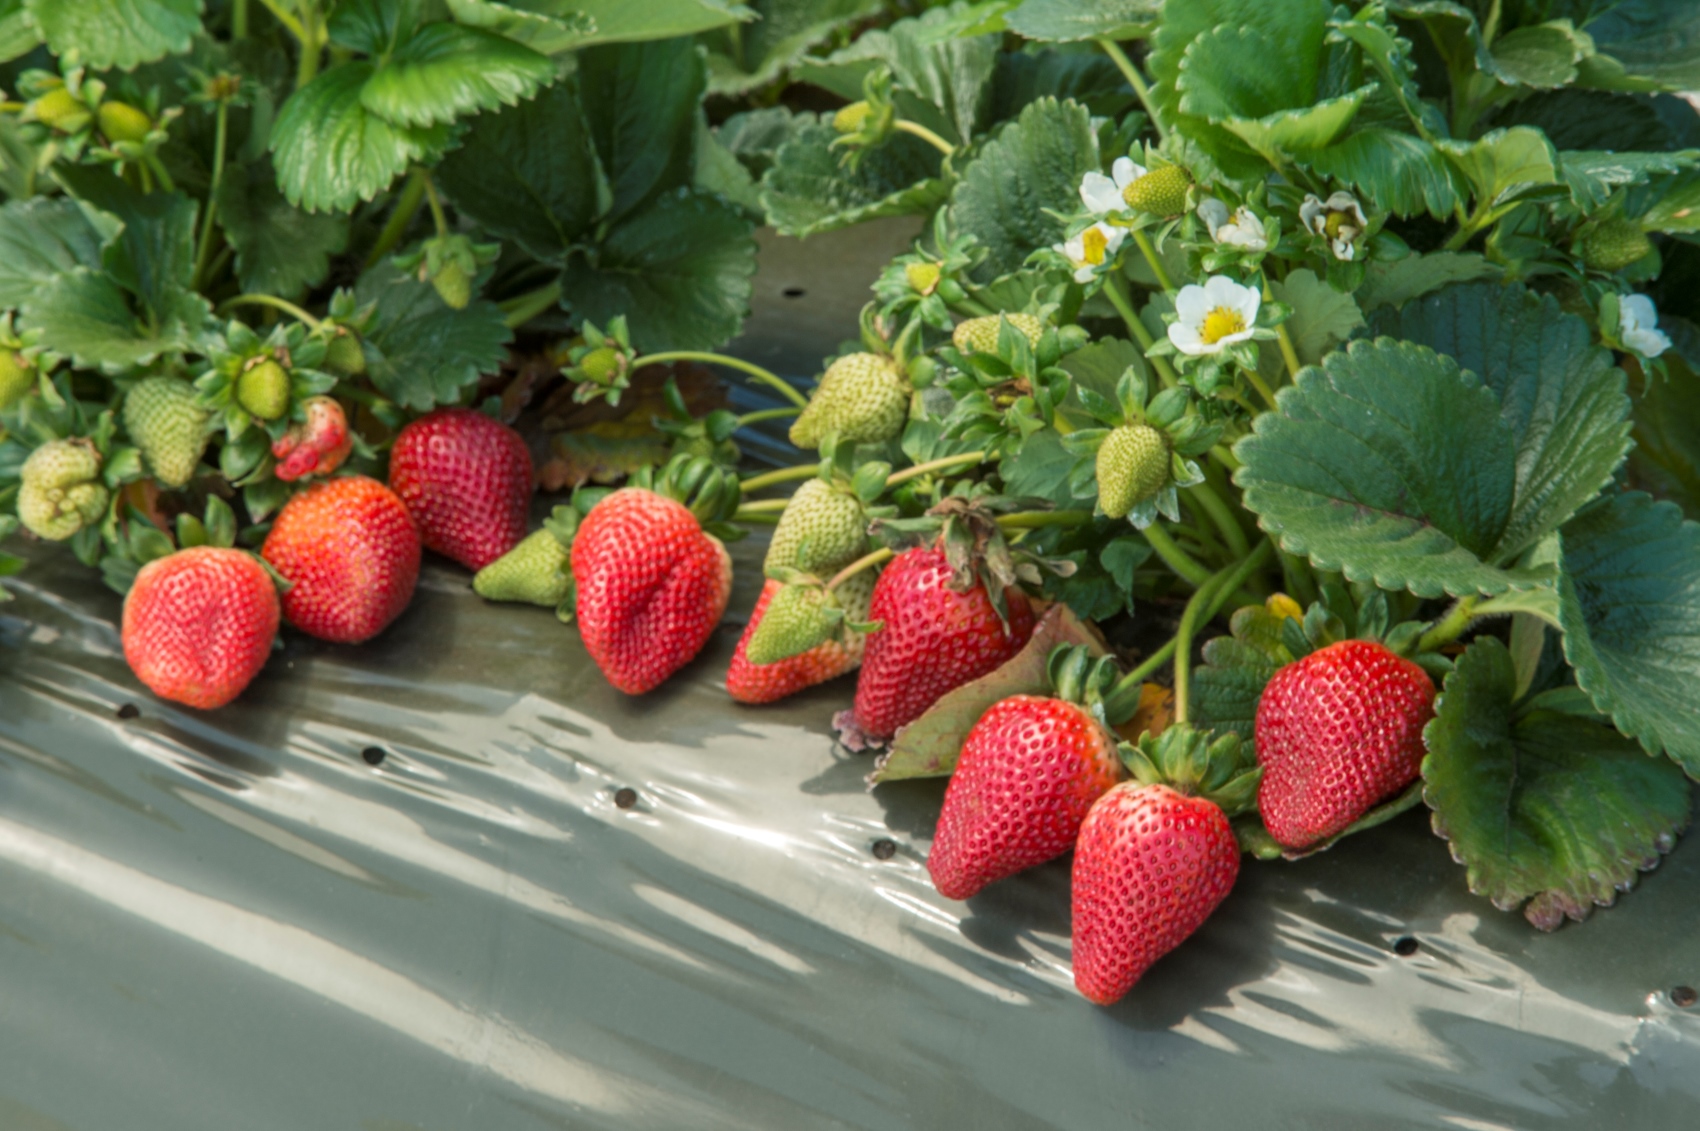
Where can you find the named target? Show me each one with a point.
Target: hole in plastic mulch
(374, 755)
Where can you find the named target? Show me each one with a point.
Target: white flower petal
(1192, 304)
(1310, 213)
(1230, 339)
(1126, 170)
(1113, 237)
(1636, 312)
(1214, 214)
(1186, 339)
(1075, 249)
(1344, 250)
(1100, 194)
(1085, 274)
(1646, 342)
(1223, 291)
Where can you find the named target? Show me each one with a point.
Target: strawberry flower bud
(1243, 229)
(1638, 326)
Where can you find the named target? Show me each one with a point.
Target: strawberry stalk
(1226, 581)
(866, 561)
(1450, 627)
(761, 375)
(779, 475)
(1117, 294)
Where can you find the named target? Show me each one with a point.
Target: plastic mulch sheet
(239, 921)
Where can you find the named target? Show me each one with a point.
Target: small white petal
(1186, 339)
(1100, 194)
(1113, 237)
(1223, 291)
(1075, 249)
(1646, 342)
(1126, 170)
(1230, 339)
(1636, 312)
(1310, 213)
(1344, 250)
(1085, 274)
(1214, 214)
(1192, 304)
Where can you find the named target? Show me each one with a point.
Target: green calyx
(980, 335)
(1219, 768)
(539, 570)
(166, 421)
(862, 398)
(1161, 192)
(1078, 676)
(1133, 465)
(263, 389)
(61, 492)
(709, 490)
(1614, 245)
(822, 530)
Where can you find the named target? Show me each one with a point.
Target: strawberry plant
(1364, 330)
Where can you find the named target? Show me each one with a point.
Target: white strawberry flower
(1214, 316)
(1339, 219)
(1103, 195)
(1638, 321)
(1243, 229)
(1091, 249)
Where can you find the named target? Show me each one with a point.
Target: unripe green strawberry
(454, 285)
(802, 617)
(851, 118)
(538, 571)
(822, 531)
(343, 355)
(170, 428)
(61, 110)
(980, 335)
(61, 490)
(1161, 192)
(17, 377)
(924, 277)
(863, 398)
(120, 121)
(1614, 245)
(1133, 465)
(601, 365)
(263, 389)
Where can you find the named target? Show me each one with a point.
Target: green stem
(238, 19)
(276, 303)
(1154, 662)
(1300, 583)
(1174, 557)
(1225, 582)
(768, 414)
(765, 506)
(916, 129)
(436, 201)
(1135, 80)
(1150, 253)
(1262, 386)
(756, 371)
(973, 307)
(746, 515)
(1032, 520)
(964, 460)
(523, 308)
(203, 252)
(147, 177)
(781, 475)
(312, 44)
(1221, 517)
(1113, 288)
(287, 20)
(1223, 455)
(406, 207)
(1450, 627)
(1288, 353)
(866, 561)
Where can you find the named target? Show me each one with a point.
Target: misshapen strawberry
(1156, 856)
(199, 624)
(350, 551)
(1029, 771)
(315, 446)
(765, 683)
(468, 482)
(651, 583)
(933, 639)
(1338, 732)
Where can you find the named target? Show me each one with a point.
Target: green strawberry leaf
(18, 35)
(1228, 687)
(1541, 805)
(84, 315)
(1013, 196)
(153, 256)
(1560, 394)
(332, 153)
(1067, 21)
(373, 27)
(783, 31)
(447, 71)
(1402, 173)
(1542, 56)
(679, 271)
(1576, 119)
(1505, 165)
(1594, 176)
(545, 34)
(948, 76)
(1391, 465)
(103, 34)
(719, 171)
(1396, 283)
(1629, 600)
(1675, 205)
(1322, 316)
(280, 250)
(927, 747)
(1097, 368)
(528, 174)
(1640, 44)
(41, 238)
(808, 190)
(1089, 78)
(640, 104)
(1666, 458)
(1039, 468)
(420, 352)
(619, 21)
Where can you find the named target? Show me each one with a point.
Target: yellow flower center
(1338, 220)
(1093, 245)
(1220, 323)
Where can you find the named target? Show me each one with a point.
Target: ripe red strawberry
(933, 640)
(1338, 732)
(468, 482)
(1150, 866)
(652, 586)
(351, 553)
(199, 624)
(1028, 772)
(765, 683)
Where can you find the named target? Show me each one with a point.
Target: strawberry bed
(1274, 425)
